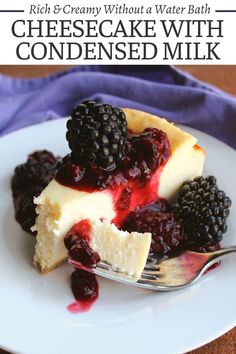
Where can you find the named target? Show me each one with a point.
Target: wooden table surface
(221, 76)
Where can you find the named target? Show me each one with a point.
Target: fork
(166, 275)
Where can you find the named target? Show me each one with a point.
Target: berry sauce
(77, 243)
(84, 285)
(81, 230)
(81, 306)
(134, 181)
(85, 288)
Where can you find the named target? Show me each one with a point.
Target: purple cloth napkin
(161, 90)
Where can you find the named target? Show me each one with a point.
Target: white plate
(33, 314)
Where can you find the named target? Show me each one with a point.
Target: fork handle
(222, 252)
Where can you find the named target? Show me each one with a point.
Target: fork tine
(152, 268)
(148, 276)
(152, 272)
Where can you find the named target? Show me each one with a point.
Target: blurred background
(223, 76)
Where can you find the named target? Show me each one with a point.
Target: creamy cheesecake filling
(124, 251)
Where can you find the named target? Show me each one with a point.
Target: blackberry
(167, 232)
(28, 181)
(97, 133)
(203, 209)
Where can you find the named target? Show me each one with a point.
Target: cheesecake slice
(59, 207)
(126, 252)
